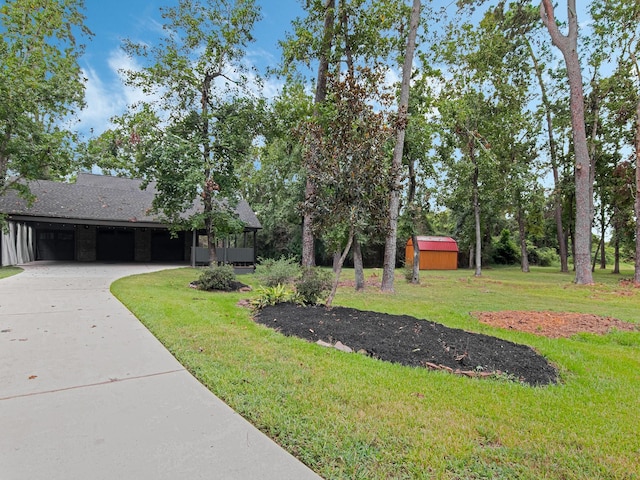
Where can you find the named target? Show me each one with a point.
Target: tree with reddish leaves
(347, 153)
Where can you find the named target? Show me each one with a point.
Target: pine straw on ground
(553, 324)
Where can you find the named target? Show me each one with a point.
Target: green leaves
(40, 85)
(199, 121)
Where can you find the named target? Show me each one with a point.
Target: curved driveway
(86, 392)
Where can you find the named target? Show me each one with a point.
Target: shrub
(272, 296)
(272, 272)
(218, 278)
(313, 284)
(543, 256)
(505, 250)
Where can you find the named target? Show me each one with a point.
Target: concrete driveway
(86, 392)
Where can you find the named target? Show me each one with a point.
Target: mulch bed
(410, 341)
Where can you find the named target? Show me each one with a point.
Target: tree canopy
(199, 121)
(41, 87)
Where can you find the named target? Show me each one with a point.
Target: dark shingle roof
(96, 198)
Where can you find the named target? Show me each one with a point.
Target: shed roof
(438, 244)
(97, 199)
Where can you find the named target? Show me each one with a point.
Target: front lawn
(8, 271)
(351, 416)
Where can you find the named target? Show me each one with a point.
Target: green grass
(348, 416)
(8, 271)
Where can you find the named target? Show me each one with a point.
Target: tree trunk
(595, 255)
(211, 239)
(593, 148)
(616, 254)
(603, 229)
(411, 198)
(338, 271)
(568, 45)
(357, 265)
(308, 240)
(396, 167)
(636, 276)
(524, 262)
(336, 261)
(476, 210)
(415, 267)
(553, 157)
(210, 185)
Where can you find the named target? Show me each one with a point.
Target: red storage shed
(436, 253)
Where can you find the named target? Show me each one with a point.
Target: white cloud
(106, 94)
(103, 101)
(118, 62)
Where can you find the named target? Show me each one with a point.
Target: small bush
(407, 272)
(313, 284)
(272, 296)
(543, 257)
(505, 250)
(272, 272)
(218, 278)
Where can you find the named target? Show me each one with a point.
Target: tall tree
(308, 241)
(418, 159)
(522, 24)
(198, 74)
(41, 86)
(346, 155)
(274, 186)
(396, 165)
(488, 144)
(334, 34)
(618, 22)
(568, 46)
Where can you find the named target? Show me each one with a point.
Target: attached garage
(105, 219)
(436, 253)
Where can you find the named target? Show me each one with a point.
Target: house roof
(96, 199)
(438, 244)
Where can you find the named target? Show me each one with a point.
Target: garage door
(55, 245)
(115, 245)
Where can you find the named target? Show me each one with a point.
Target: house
(107, 219)
(436, 253)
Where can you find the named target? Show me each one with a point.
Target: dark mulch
(410, 341)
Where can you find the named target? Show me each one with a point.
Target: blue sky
(113, 20)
